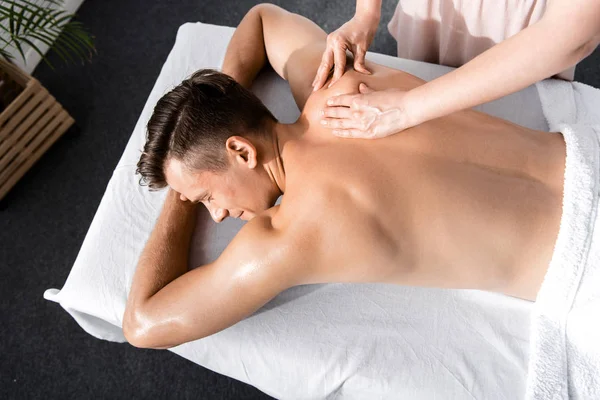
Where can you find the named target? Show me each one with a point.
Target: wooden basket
(29, 124)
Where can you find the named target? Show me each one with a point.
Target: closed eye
(202, 200)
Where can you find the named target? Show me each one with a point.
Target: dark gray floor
(43, 352)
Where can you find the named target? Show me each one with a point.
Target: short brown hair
(194, 120)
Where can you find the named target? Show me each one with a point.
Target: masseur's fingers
(343, 100)
(359, 59)
(364, 89)
(370, 114)
(348, 133)
(337, 112)
(339, 55)
(324, 68)
(342, 123)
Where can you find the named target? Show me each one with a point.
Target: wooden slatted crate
(32, 120)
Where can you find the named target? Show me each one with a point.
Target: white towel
(565, 333)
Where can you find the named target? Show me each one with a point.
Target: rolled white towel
(565, 333)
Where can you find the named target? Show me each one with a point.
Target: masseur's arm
(290, 43)
(167, 305)
(568, 32)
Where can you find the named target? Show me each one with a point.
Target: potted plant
(31, 120)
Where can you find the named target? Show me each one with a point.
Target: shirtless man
(464, 201)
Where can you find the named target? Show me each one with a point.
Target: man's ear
(242, 150)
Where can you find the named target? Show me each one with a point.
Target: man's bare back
(465, 201)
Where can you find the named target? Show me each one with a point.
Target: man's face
(238, 192)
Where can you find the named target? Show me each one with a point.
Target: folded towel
(565, 333)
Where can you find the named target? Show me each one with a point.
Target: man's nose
(218, 214)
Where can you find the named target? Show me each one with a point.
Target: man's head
(207, 139)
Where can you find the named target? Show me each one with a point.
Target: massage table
(326, 341)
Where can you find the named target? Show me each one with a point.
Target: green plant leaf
(5, 29)
(17, 45)
(20, 19)
(6, 54)
(12, 20)
(3, 51)
(66, 47)
(50, 41)
(80, 38)
(37, 50)
(31, 19)
(29, 22)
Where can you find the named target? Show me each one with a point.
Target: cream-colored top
(452, 32)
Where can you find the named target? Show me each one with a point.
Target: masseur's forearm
(246, 54)
(555, 43)
(164, 258)
(368, 8)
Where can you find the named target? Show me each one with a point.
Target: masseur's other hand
(355, 35)
(368, 115)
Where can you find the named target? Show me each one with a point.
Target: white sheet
(350, 341)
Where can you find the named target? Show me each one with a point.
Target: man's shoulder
(271, 246)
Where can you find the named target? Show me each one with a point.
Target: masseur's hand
(368, 115)
(356, 36)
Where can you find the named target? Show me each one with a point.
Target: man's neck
(275, 166)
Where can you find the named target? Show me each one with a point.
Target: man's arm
(292, 45)
(167, 305)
